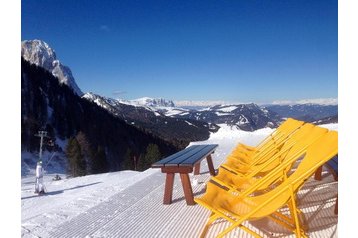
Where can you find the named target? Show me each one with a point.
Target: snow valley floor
(129, 203)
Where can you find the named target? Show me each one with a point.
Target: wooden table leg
(210, 165)
(188, 192)
(318, 174)
(168, 192)
(197, 169)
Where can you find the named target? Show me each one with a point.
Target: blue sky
(257, 51)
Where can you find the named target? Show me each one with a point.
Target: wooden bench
(184, 162)
(332, 165)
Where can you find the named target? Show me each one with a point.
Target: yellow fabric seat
(270, 143)
(238, 208)
(235, 177)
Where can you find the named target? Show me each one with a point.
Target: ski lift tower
(41, 134)
(39, 186)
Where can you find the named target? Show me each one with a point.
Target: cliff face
(41, 54)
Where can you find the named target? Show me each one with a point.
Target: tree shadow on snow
(60, 191)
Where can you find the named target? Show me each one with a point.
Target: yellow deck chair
(274, 169)
(243, 166)
(237, 209)
(286, 127)
(270, 143)
(297, 143)
(280, 136)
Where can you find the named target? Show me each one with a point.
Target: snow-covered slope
(129, 203)
(71, 197)
(40, 53)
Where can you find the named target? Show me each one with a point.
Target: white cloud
(209, 103)
(322, 101)
(204, 103)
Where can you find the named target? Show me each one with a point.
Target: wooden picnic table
(185, 162)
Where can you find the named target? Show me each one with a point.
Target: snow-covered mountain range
(307, 112)
(41, 54)
(149, 102)
(153, 119)
(247, 116)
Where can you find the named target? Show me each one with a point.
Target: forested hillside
(46, 104)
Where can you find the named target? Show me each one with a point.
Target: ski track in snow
(138, 202)
(129, 203)
(99, 215)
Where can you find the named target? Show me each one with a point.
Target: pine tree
(85, 148)
(76, 161)
(152, 155)
(99, 162)
(128, 162)
(141, 164)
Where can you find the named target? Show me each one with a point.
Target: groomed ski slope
(129, 203)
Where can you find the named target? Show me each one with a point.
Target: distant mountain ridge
(149, 102)
(307, 112)
(161, 114)
(151, 118)
(41, 54)
(327, 120)
(248, 117)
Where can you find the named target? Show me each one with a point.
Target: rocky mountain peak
(41, 54)
(38, 52)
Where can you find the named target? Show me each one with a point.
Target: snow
(198, 103)
(223, 113)
(151, 102)
(331, 126)
(129, 203)
(228, 108)
(243, 120)
(208, 103)
(67, 198)
(190, 124)
(265, 111)
(175, 111)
